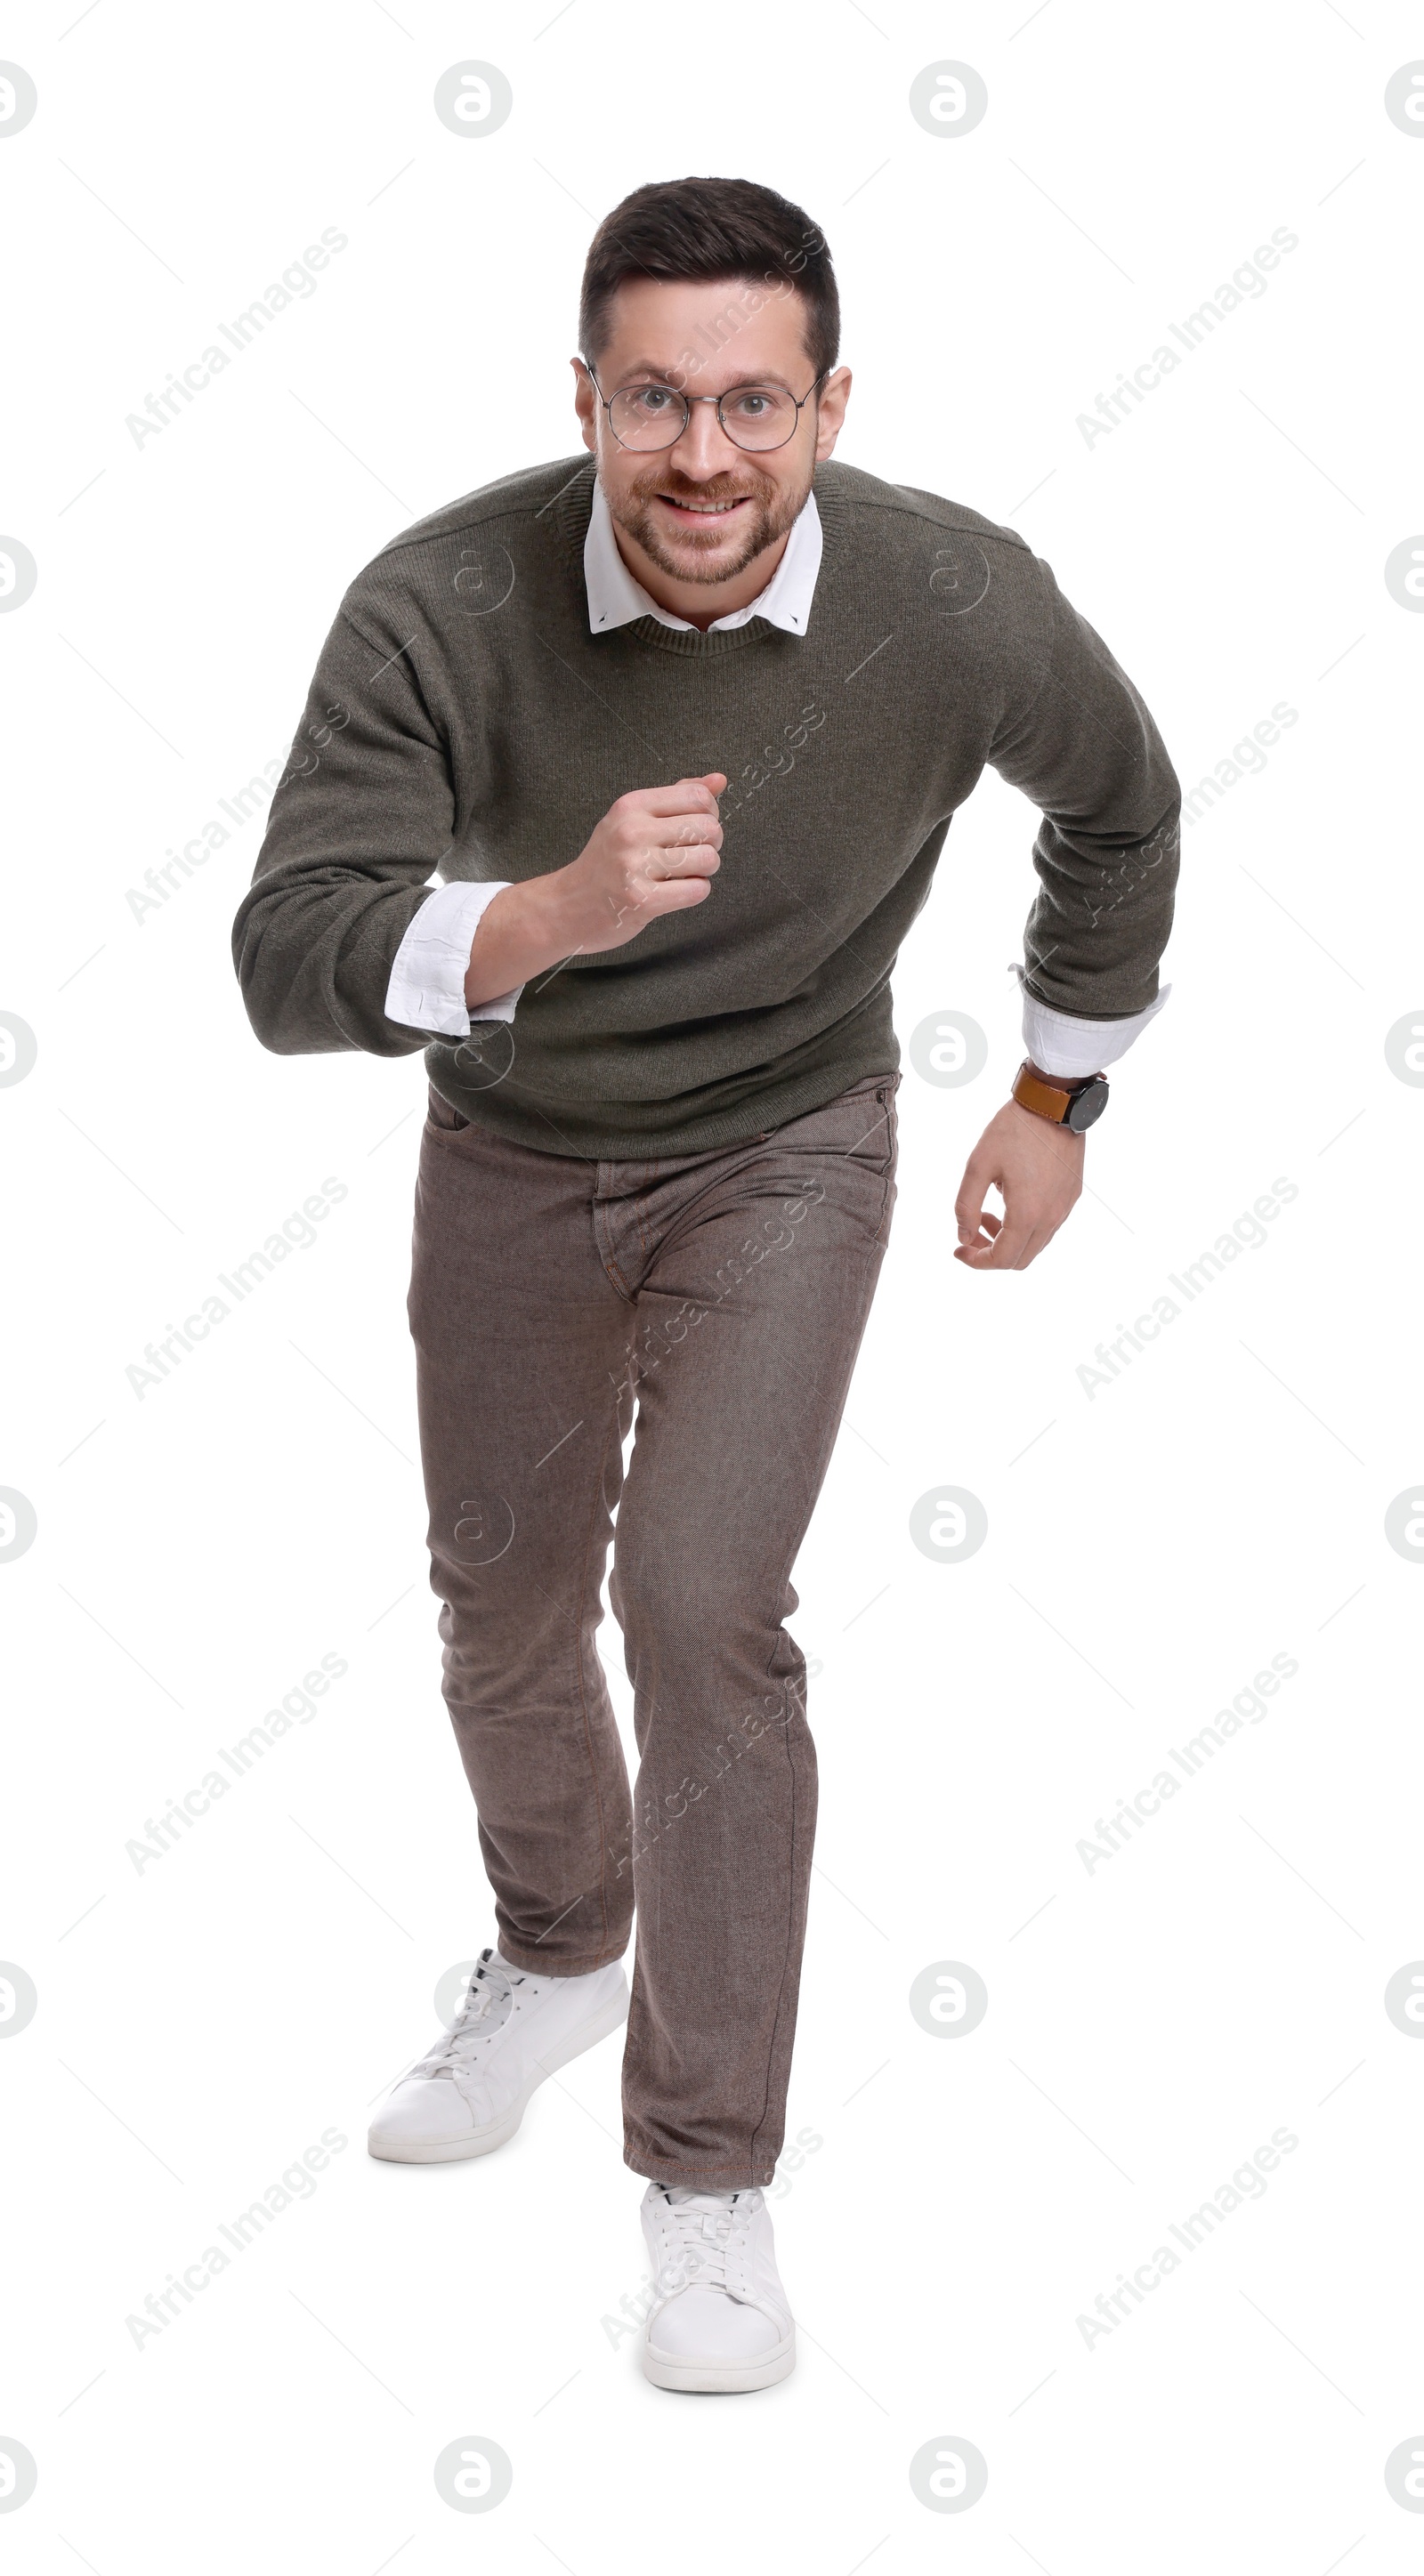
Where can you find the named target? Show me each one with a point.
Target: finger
(682, 858)
(981, 1243)
(969, 1206)
(657, 887)
(977, 1252)
(711, 783)
(1023, 1239)
(1010, 1242)
(686, 796)
(687, 832)
(658, 832)
(679, 894)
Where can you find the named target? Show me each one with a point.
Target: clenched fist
(655, 851)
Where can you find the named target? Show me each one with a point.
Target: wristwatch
(1073, 1105)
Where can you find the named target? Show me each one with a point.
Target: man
(682, 724)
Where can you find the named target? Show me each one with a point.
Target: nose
(703, 449)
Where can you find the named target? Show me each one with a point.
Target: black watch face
(1087, 1105)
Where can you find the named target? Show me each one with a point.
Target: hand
(1037, 1168)
(655, 851)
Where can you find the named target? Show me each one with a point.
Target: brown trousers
(723, 1294)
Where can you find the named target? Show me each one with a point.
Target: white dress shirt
(615, 598)
(427, 985)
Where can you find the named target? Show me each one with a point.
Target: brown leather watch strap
(1046, 1099)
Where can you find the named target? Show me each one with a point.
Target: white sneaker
(721, 2320)
(468, 2095)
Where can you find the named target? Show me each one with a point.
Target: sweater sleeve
(1082, 745)
(363, 815)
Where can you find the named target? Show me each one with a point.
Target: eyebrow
(647, 367)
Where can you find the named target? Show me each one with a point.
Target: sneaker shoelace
(708, 2227)
(489, 2000)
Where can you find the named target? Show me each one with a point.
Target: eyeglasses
(650, 416)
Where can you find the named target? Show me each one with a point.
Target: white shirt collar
(615, 598)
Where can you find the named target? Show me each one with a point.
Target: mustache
(672, 487)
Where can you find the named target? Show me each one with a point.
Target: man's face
(703, 509)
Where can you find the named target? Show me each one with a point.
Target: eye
(757, 402)
(651, 399)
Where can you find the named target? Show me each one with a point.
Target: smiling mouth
(703, 509)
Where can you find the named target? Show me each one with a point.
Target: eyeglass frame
(687, 401)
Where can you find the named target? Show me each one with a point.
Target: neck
(700, 602)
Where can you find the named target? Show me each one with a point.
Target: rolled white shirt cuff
(427, 986)
(1073, 1049)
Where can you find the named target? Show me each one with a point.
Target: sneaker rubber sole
(720, 2378)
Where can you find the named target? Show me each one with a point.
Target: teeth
(704, 509)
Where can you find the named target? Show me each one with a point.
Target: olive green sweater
(463, 719)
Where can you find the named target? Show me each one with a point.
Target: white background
(1150, 1547)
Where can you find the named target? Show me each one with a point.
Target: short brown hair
(712, 229)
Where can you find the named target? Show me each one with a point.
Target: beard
(775, 508)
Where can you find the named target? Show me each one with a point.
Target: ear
(586, 404)
(835, 394)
